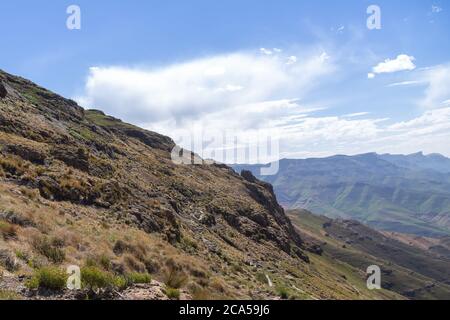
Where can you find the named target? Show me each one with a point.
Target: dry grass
(13, 165)
(8, 230)
(121, 250)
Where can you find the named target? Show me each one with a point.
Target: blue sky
(174, 65)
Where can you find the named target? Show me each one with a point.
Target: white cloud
(438, 90)
(266, 51)
(401, 63)
(325, 136)
(433, 120)
(303, 134)
(196, 88)
(370, 75)
(357, 114)
(406, 83)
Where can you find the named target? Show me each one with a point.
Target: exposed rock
(76, 158)
(248, 175)
(26, 153)
(153, 291)
(151, 139)
(207, 219)
(3, 91)
(16, 219)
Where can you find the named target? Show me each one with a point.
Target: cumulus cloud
(403, 62)
(203, 86)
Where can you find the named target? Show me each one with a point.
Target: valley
(397, 193)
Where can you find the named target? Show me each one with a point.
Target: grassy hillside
(406, 269)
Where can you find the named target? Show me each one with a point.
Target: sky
(309, 75)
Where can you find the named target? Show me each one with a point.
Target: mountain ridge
(390, 192)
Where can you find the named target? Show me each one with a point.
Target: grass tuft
(172, 293)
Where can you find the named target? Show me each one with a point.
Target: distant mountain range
(401, 193)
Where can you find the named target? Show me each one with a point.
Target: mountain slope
(368, 188)
(81, 188)
(410, 271)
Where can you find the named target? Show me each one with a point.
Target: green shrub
(52, 278)
(283, 292)
(105, 262)
(95, 278)
(121, 282)
(136, 277)
(172, 293)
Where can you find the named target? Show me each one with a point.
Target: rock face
(89, 158)
(3, 91)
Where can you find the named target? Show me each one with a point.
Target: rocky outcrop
(151, 139)
(3, 91)
(26, 153)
